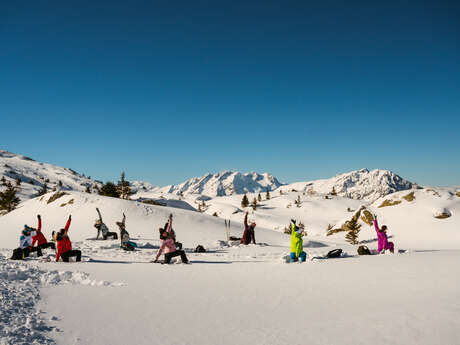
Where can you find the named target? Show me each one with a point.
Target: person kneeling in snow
(297, 243)
(126, 244)
(42, 243)
(25, 245)
(382, 238)
(167, 245)
(248, 234)
(64, 246)
(101, 227)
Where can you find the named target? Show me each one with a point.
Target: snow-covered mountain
(224, 183)
(33, 175)
(360, 184)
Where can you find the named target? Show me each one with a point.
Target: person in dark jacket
(64, 245)
(249, 233)
(40, 239)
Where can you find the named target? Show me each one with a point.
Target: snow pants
(181, 253)
(114, 235)
(51, 245)
(65, 256)
(29, 250)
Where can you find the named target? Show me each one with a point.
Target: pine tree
(123, 187)
(259, 198)
(267, 195)
(8, 198)
(4, 181)
(333, 192)
(245, 201)
(109, 189)
(352, 227)
(44, 190)
(254, 204)
(88, 189)
(18, 181)
(60, 183)
(281, 192)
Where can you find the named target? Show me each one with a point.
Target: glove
(38, 216)
(293, 221)
(70, 216)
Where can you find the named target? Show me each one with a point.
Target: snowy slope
(34, 175)
(360, 184)
(224, 183)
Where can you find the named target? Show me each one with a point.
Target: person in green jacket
(297, 243)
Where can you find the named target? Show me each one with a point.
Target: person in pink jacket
(382, 238)
(168, 246)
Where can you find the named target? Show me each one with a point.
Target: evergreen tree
(3, 181)
(333, 192)
(60, 183)
(123, 187)
(18, 181)
(352, 227)
(8, 198)
(44, 190)
(88, 189)
(267, 195)
(245, 201)
(254, 204)
(109, 189)
(259, 198)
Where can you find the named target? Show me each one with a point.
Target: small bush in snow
(55, 196)
(409, 197)
(389, 202)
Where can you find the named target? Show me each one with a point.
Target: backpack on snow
(200, 249)
(363, 250)
(336, 253)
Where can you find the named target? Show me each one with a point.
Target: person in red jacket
(42, 243)
(248, 234)
(64, 246)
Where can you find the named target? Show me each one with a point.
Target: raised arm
(163, 245)
(124, 219)
(39, 228)
(169, 223)
(99, 213)
(376, 224)
(67, 225)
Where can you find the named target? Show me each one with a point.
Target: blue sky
(167, 90)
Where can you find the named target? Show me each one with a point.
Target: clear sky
(167, 90)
